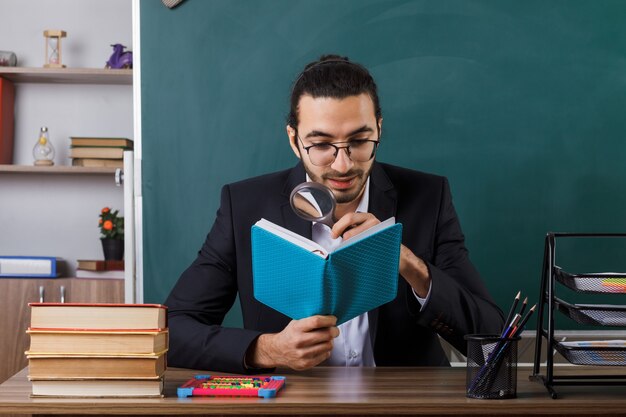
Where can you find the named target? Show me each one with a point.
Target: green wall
(520, 104)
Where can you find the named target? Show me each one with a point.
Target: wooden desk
(337, 391)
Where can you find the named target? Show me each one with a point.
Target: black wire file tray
(594, 353)
(599, 282)
(593, 314)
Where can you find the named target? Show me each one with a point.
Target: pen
(510, 316)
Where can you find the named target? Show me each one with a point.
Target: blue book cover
(28, 267)
(296, 277)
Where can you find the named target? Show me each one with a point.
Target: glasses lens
(362, 150)
(323, 154)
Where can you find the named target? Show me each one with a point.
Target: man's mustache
(349, 174)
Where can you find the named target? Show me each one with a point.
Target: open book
(298, 278)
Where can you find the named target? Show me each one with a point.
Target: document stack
(97, 350)
(99, 152)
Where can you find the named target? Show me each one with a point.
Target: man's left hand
(412, 268)
(352, 224)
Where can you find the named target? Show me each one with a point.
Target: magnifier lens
(314, 202)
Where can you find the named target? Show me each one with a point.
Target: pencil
(510, 316)
(524, 320)
(508, 333)
(521, 311)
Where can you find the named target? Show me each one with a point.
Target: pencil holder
(491, 367)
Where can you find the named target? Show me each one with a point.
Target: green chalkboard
(520, 104)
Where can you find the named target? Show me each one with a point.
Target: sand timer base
(44, 163)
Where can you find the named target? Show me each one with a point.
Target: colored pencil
(520, 328)
(511, 312)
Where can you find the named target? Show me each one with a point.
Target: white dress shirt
(353, 346)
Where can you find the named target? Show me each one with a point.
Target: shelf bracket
(119, 177)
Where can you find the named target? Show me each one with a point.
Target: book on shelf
(299, 278)
(82, 316)
(101, 264)
(94, 342)
(7, 99)
(102, 152)
(100, 141)
(97, 387)
(91, 366)
(29, 266)
(84, 273)
(98, 163)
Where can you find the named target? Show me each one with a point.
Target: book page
(292, 237)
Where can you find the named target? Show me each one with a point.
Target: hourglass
(53, 48)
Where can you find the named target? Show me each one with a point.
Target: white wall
(56, 215)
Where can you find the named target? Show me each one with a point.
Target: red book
(7, 97)
(100, 265)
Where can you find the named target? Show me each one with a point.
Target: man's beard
(343, 197)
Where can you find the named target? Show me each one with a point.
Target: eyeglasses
(324, 154)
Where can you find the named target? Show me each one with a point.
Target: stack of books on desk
(97, 350)
(99, 268)
(99, 152)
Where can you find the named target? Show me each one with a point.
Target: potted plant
(111, 226)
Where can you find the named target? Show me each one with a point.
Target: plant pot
(113, 248)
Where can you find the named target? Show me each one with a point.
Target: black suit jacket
(402, 335)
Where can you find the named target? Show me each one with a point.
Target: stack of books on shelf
(99, 268)
(99, 152)
(97, 350)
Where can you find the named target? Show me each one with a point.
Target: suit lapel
(382, 204)
(383, 196)
(290, 220)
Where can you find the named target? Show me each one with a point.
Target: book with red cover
(7, 98)
(91, 316)
(100, 265)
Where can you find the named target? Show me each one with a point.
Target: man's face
(331, 120)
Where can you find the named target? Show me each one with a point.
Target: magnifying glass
(314, 202)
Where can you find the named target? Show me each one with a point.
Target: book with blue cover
(298, 278)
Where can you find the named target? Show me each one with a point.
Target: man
(334, 128)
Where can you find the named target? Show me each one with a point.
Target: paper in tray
(594, 354)
(594, 314)
(598, 282)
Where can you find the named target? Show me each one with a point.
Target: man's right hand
(301, 345)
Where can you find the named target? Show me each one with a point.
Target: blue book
(28, 267)
(296, 277)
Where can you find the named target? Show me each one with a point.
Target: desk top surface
(336, 391)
